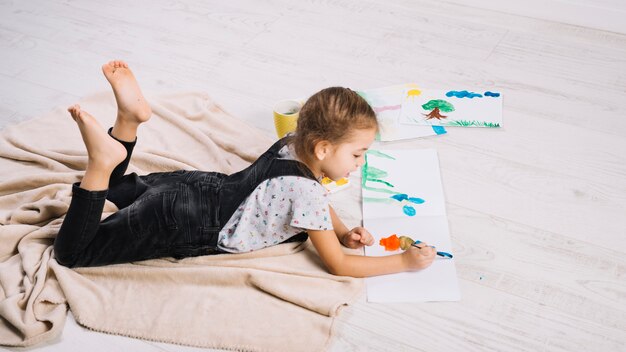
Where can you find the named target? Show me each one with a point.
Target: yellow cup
(286, 114)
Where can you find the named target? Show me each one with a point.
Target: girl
(277, 199)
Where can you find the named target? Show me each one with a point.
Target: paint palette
(334, 186)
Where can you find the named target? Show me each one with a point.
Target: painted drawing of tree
(373, 174)
(437, 106)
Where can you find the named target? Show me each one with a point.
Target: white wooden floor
(537, 210)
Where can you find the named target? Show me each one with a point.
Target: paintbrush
(441, 254)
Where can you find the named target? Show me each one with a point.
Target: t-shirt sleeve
(311, 208)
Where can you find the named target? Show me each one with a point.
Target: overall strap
(238, 186)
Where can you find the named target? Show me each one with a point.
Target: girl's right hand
(420, 257)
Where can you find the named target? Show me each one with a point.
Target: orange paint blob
(391, 243)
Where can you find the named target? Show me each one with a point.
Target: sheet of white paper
(463, 108)
(416, 173)
(386, 102)
(438, 282)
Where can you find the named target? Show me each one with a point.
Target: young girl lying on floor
(190, 213)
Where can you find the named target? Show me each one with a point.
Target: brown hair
(331, 114)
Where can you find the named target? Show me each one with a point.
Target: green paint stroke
(381, 190)
(442, 105)
(381, 181)
(380, 154)
(373, 174)
(466, 123)
(376, 173)
(379, 200)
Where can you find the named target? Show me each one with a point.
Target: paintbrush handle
(441, 254)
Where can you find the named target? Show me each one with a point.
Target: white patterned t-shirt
(276, 210)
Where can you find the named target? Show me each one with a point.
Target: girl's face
(348, 156)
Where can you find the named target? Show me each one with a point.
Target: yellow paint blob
(412, 93)
(342, 181)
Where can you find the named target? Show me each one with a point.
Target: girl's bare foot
(132, 107)
(131, 104)
(104, 152)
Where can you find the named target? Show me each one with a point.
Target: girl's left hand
(357, 238)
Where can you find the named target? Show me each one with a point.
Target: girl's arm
(338, 263)
(340, 228)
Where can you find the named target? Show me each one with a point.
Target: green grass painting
(474, 123)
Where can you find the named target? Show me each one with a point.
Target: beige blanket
(280, 298)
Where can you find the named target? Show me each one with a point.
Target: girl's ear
(322, 149)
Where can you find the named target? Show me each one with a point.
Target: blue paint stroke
(492, 94)
(416, 200)
(445, 255)
(403, 196)
(463, 94)
(439, 129)
(400, 197)
(408, 210)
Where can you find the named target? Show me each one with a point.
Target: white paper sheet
(415, 173)
(438, 282)
(461, 108)
(387, 103)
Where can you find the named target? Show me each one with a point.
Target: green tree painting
(436, 107)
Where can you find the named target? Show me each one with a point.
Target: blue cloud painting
(463, 94)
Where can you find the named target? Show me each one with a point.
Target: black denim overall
(177, 214)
